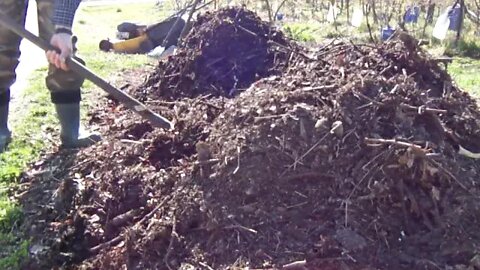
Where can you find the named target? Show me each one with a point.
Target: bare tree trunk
(269, 10)
(460, 23)
(431, 12)
(392, 11)
(428, 16)
(477, 4)
(367, 13)
(373, 7)
(334, 8)
(347, 3)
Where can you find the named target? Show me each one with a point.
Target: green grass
(33, 125)
(29, 140)
(300, 31)
(466, 47)
(465, 72)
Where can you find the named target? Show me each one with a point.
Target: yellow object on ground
(129, 45)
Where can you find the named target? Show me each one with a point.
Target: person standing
(55, 18)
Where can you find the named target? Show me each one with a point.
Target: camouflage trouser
(64, 86)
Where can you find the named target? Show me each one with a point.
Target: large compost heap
(347, 156)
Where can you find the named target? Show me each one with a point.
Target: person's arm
(64, 14)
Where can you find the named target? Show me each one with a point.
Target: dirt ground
(341, 156)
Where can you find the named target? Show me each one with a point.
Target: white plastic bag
(357, 17)
(162, 53)
(332, 13)
(441, 26)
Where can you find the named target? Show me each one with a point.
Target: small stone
(321, 123)
(350, 240)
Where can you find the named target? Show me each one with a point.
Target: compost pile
(348, 159)
(224, 53)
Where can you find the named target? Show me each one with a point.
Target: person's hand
(63, 42)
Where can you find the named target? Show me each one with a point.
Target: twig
(173, 236)
(174, 26)
(205, 265)
(207, 162)
(76, 166)
(321, 87)
(296, 205)
(238, 160)
(418, 149)
(162, 102)
(130, 141)
(190, 15)
(295, 265)
(234, 227)
(120, 237)
(246, 30)
(123, 218)
(422, 109)
(369, 99)
(267, 117)
(385, 70)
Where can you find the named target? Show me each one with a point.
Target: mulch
(343, 156)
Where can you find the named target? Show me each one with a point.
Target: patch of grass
(300, 32)
(466, 47)
(27, 138)
(14, 251)
(28, 141)
(10, 214)
(465, 72)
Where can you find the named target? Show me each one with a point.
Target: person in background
(55, 18)
(144, 39)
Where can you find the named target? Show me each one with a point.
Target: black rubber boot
(72, 135)
(5, 134)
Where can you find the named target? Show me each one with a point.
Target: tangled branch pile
(348, 159)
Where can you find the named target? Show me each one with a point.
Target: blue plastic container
(280, 16)
(454, 16)
(387, 32)
(412, 14)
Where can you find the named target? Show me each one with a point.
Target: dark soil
(225, 52)
(345, 158)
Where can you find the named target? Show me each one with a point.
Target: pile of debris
(224, 53)
(347, 159)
